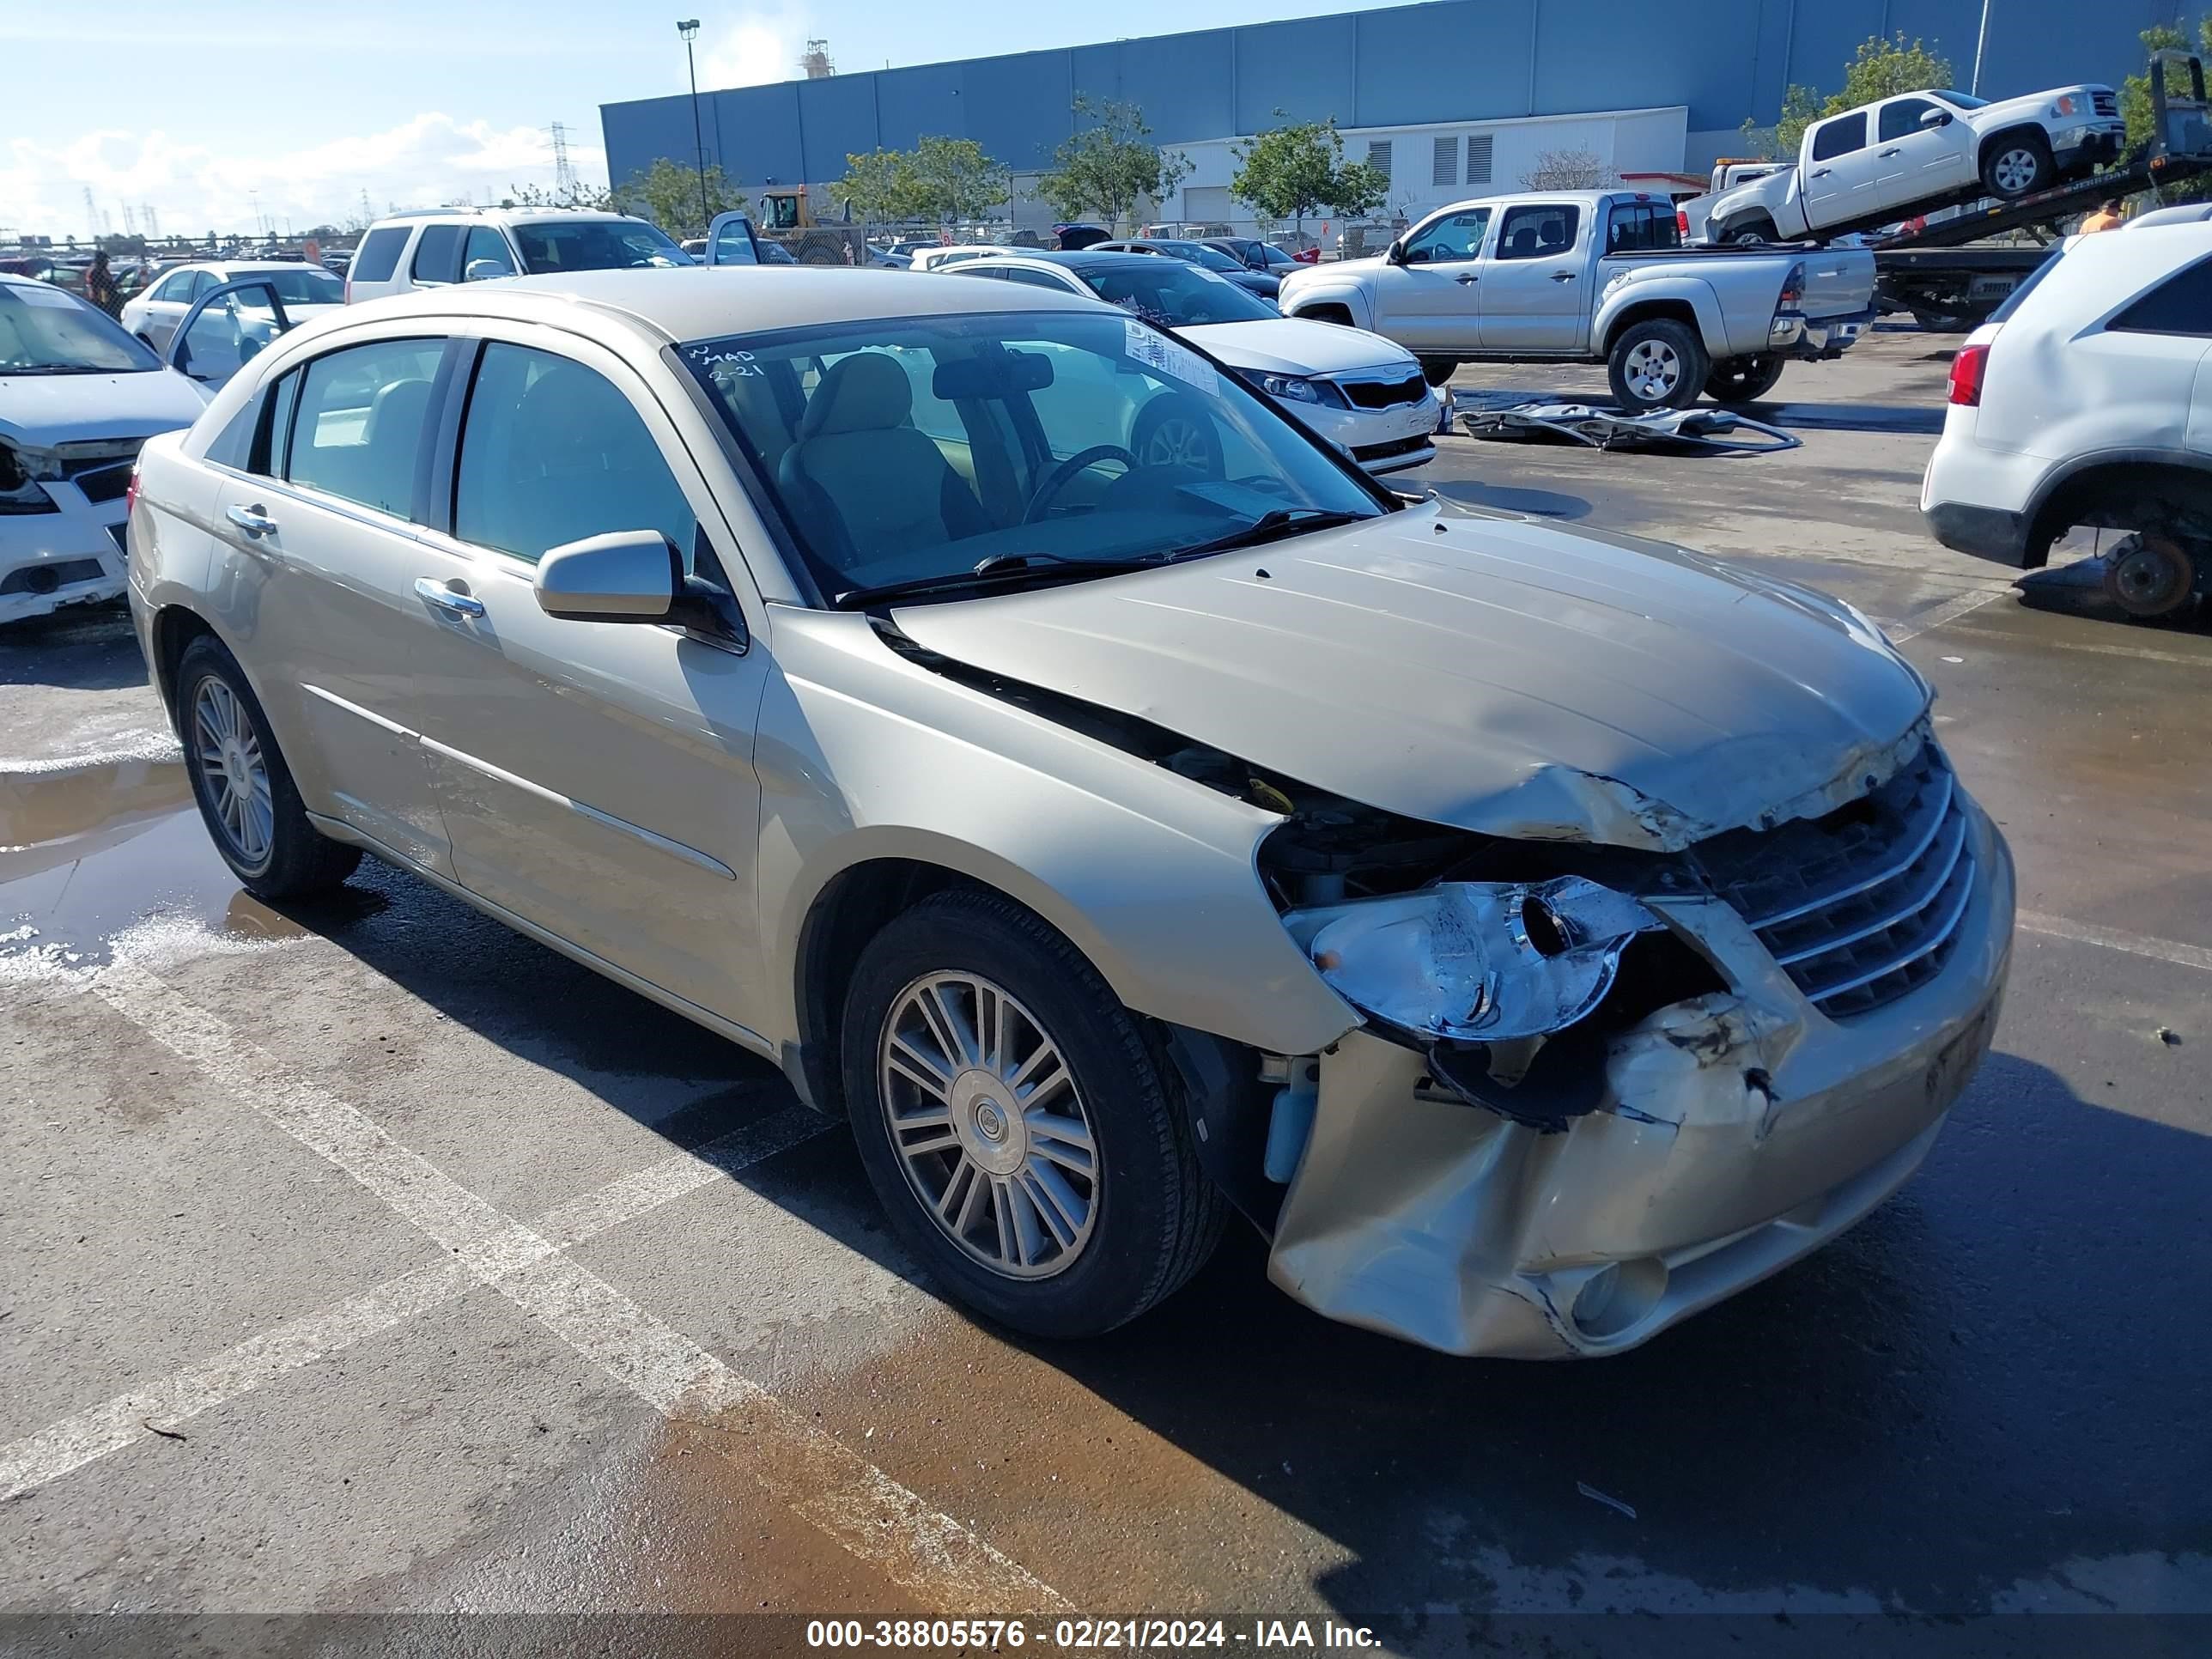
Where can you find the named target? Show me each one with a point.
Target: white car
(78, 395)
(411, 252)
(1886, 160)
(1358, 391)
(2086, 399)
(939, 257)
(154, 315)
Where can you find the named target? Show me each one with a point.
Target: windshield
(1198, 254)
(1175, 296)
(300, 286)
(916, 447)
(44, 331)
(1961, 101)
(595, 245)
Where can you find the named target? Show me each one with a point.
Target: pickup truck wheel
(1018, 1123)
(1657, 364)
(1437, 370)
(2017, 166)
(1742, 379)
(2149, 575)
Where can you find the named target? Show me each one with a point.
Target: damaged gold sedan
(1097, 789)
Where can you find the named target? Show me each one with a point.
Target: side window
(1840, 137)
(2182, 304)
(177, 290)
(485, 256)
(733, 245)
(378, 256)
(1901, 118)
(283, 401)
(437, 254)
(358, 429)
(233, 445)
(1455, 237)
(552, 452)
(1641, 228)
(1037, 279)
(1537, 232)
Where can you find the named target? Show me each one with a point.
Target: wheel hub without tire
(989, 1127)
(2148, 575)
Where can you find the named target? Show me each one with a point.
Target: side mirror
(1935, 118)
(1396, 253)
(483, 270)
(634, 576)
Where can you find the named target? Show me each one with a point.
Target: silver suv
(410, 251)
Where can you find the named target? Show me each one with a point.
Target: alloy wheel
(989, 1125)
(1175, 442)
(236, 773)
(2014, 170)
(1653, 370)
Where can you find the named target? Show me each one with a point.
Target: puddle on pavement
(88, 852)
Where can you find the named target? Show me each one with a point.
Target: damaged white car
(1538, 935)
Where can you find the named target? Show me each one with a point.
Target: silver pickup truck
(1597, 277)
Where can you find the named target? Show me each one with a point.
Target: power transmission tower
(130, 220)
(146, 213)
(91, 214)
(564, 174)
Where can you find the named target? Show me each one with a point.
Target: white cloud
(761, 46)
(194, 186)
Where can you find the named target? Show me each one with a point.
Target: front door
(322, 554)
(1426, 299)
(1536, 282)
(1915, 159)
(596, 778)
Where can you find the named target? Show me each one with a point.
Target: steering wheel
(1059, 478)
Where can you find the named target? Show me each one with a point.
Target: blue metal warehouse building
(1456, 70)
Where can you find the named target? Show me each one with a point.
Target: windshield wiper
(1273, 527)
(61, 368)
(1000, 570)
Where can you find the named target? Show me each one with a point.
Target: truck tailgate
(1839, 282)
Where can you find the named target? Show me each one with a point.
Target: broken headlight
(20, 469)
(1476, 962)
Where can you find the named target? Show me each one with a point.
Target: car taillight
(1682, 224)
(1793, 289)
(130, 494)
(1967, 369)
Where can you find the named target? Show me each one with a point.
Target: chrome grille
(1384, 394)
(2106, 102)
(1863, 906)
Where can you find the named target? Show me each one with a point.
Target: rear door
(167, 305)
(1840, 173)
(318, 528)
(1427, 299)
(1536, 281)
(597, 777)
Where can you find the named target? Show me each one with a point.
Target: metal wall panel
(836, 119)
(1017, 107)
(1455, 61)
(1300, 71)
(1632, 54)
(925, 101)
(753, 132)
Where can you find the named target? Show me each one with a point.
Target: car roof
(475, 216)
(1081, 259)
(706, 302)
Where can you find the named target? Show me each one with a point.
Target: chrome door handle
(1821, 173)
(438, 594)
(1563, 275)
(1892, 150)
(253, 520)
(1465, 282)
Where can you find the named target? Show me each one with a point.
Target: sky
(225, 117)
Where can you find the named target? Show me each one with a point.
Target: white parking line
(1949, 611)
(2136, 945)
(863, 1509)
(2142, 653)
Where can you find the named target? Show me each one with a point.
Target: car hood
(1481, 670)
(41, 411)
(1291, 345)
(2036, 105)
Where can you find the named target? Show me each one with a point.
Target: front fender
(865, 755)
(1351, 295)
(1641, 296)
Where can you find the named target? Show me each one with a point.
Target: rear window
(2182, 304)
(1642, 227)
(378, 256)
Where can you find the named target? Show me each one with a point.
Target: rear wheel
(245, 790)
(2149, 575)
(1657, 364)
(1743, 379)
(2017, 164)
(1017, 1123)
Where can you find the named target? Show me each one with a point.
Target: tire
(1940, 322)
(1436, 371)
(264, 838)
(1657, 364)
(2149, 575)
(1742, 379)
(2017, 164)
(1173, 430)
(1756, 231)
(1149, 1217)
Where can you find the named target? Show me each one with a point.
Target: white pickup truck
(1889, 161)
(1597, 277)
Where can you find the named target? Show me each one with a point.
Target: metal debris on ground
(1688, 429)
(1589, 1490)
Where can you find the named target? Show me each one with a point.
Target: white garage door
(1207, 201)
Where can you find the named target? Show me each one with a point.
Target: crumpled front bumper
(1739, 1132)
(68, 556)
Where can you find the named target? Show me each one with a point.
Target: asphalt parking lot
(369, 1257)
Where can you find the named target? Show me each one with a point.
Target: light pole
(1981, 46)
(688, 28)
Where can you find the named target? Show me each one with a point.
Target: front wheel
(1657, 364)
(244, 788)
(2017, 166)
(1017, 1123)
(1743, 379)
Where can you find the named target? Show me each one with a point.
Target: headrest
(868, 391)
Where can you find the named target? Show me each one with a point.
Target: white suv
(413, 251)
(2086, 399)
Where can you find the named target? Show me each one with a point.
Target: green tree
(955, 183)
(1298, 169)
(2135, 91)
(878, 187)
(578, 195)
(1111, 165)
(1880, 69)
(667, 192)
